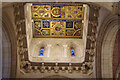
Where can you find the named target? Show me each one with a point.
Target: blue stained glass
(41, 52)
(46, 24)
(69, 24)
(58, 28)
(72, 52)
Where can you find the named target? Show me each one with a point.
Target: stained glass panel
(41, 52)
(72, 52)
(57, 21)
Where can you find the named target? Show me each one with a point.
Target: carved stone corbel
(56, 68)
(91, 58)
(92, 45)
(89, 64)
(63, 68)
(35, 69)
(49, 68)
(22, 57)
(42, 68)
(92, 38)
(70, 69)
(77, 69)
(83, 69)
(25, 65)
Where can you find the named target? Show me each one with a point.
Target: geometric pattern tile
(54, 21)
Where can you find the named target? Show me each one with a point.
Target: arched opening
(6, 56)
(105, 46)
(107, 52)
(9, 46)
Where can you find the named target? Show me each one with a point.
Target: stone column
(65, 50)
(48, 50)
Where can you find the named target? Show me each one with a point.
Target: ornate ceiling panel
(56, 52)
(57, 20)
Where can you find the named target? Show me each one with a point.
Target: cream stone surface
(56, 49)
(107, 52)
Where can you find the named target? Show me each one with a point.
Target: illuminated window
(41, 52)
(57, 21)
(72, 52)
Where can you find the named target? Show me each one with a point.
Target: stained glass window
(72, 52)
(41, 52)
(57, 21)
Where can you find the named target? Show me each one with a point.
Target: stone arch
(107, 52)
(6, 55)
(116, 56)
(10, 32)
(104, 46)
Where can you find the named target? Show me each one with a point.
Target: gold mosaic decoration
(57, 21)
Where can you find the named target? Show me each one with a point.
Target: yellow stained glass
(57, 21)
(57, 12)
